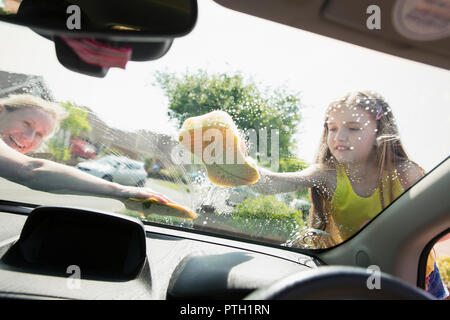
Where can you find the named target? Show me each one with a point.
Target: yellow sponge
(153, 206)
(214, 138)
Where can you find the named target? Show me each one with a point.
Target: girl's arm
(282, 182)
(49, 176)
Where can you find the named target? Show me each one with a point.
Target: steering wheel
(339, 283)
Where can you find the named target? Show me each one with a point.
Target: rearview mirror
(93, 36)
(124, 20)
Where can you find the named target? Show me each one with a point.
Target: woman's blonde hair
(389, 153)
(15, 102)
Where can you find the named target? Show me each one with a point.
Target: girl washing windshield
(360, 168)
(25, 123)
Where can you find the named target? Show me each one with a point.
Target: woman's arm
(282, 182)
(49, 176)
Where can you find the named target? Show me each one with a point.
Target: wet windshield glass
(106, 160)
(246, 128)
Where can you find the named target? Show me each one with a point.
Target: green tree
(292, 164)
(77, 121)
(251, 108)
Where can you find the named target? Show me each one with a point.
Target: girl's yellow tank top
(351, 211)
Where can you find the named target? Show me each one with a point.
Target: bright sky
(272, 54)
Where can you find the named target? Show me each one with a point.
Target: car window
(437, 270)
(328, 134)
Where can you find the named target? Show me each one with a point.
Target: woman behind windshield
(26, 121)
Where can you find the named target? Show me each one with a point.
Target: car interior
(54, 251)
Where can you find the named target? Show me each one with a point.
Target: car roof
(348, 23)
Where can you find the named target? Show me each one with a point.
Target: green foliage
(291, 165)
(199, 93)
(4, 12)
(59, 152)
(266, 217)
(77, 121)
(148, 162)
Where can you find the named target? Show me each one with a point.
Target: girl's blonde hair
(389, 153)
(15, 102)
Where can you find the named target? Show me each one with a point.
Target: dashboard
(175, 264)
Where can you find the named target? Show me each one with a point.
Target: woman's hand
(140, 193)
(147, 202)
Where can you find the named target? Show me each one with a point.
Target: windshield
(327, 134)
(107, 160)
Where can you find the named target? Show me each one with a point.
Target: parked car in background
(82, 149)
(117, 169)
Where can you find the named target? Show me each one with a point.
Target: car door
(140, 173)
(132, 177)
(120, 173)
